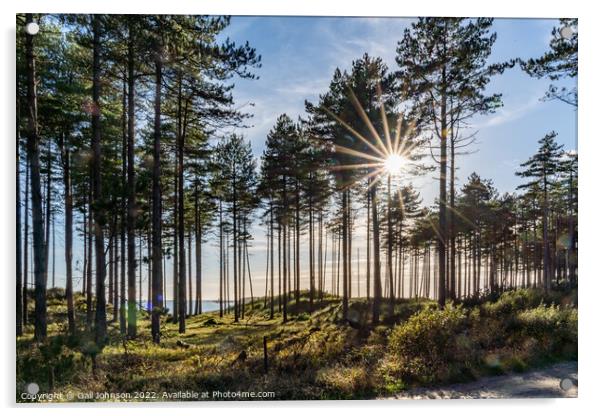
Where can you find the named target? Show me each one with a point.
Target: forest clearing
(419, 346)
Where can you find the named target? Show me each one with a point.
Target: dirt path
(541, 383)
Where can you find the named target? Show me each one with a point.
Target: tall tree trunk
(66, 156)
(280, 266)
(442, 237)
(320, 255)
(157, 249)
(53, 221)
(88, 263)
(349, 244)
(116, 299)
(345, 256)
(572, 252)
(176, 287)
(235, 247)
(19, 248)
(180, 138)
(123, 225)
(283, 226)
(452, 221)
(33, 153)
(312, 282)
(48, 211)
(99, 220)
(149, 261)
(390, 249)
(198, 239)
(111, 261)
(368, 245)
(26, 244)
(376, 250)
(221, 261)
(131, 188)
(271, 242)
(246, 250)
(297, 242)
(547, 279)
(190, 299)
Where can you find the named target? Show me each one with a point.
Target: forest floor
(315, 355)
(557, 380)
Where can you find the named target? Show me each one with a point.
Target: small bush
(553, 327)
(513, 301)
(345, 382)
(429, 341)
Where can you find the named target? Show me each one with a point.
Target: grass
(313, 356)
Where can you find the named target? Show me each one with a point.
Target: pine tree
(444, 72)
(561, 61)
(542, 168)
(238, 168)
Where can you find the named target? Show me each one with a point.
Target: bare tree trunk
(452, 222)
(122, 298)
(66, 156)
(33, 153)
(190, 298)
(116, 299)
(99, 220)
(53, 250)
(349, 244)
(271, 242)
(221, 261)
(175, 263)
(280, 267)
(111, 261)
(572, 252)
(376, 249)
(198, 240)
(283, 226)
(19, 248)
(312, 277)
(442, 240)
(297, 243)
(26, 245)
(547, 278)
(368, 245)
(390, 249)
(131, 190)
(157, 249)
(345, 256)
(48, 211)
(235, 246)
(246, 250)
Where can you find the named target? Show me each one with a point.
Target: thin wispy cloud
(508, 114)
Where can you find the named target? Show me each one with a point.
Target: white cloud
(506, 114)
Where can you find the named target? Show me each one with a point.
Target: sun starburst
(387, 155)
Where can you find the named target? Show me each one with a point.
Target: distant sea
(206, 305)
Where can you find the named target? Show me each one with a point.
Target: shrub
(345, 382)
(514, 301)
(429, 341)
(53, 362)
(553, 327)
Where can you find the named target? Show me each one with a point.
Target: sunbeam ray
(355, 133)
(366, 119)
(357, 153)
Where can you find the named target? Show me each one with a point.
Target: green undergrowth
(315, 355)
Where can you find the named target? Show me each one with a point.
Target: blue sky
(299, 56)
